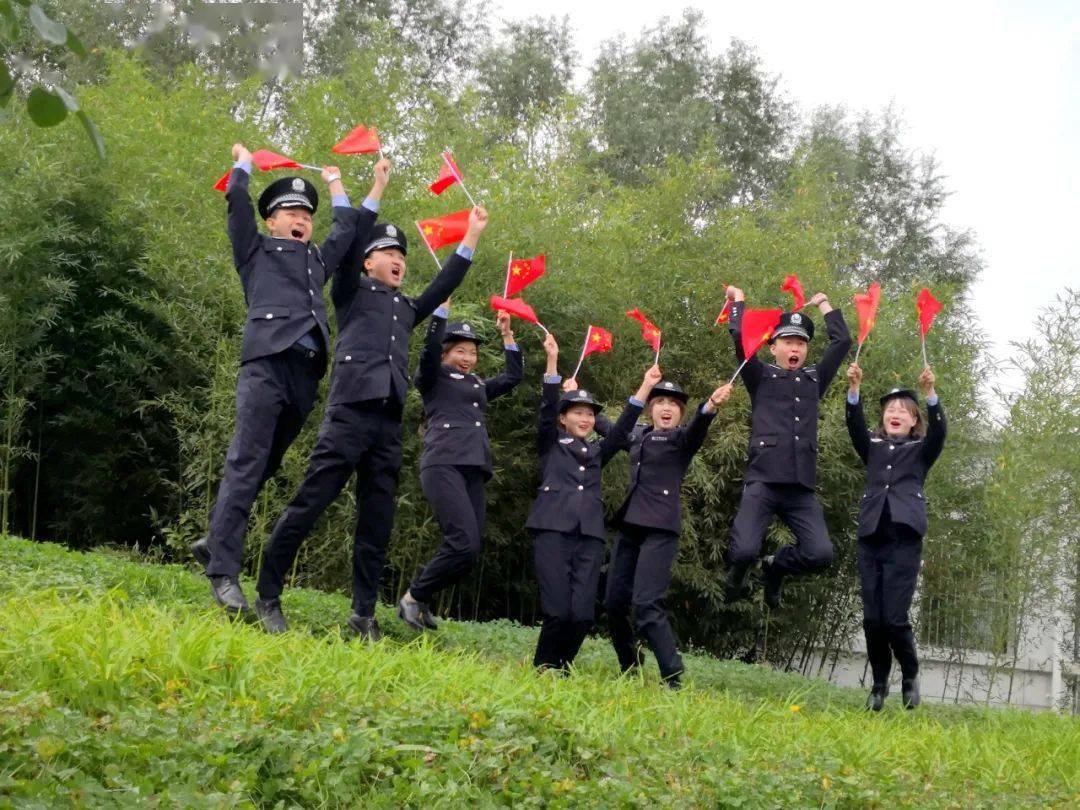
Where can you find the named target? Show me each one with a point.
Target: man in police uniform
(284, 347)
(782, 465)
(361, 430)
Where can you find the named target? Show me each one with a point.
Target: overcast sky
(991, 89)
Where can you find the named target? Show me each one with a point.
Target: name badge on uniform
(567, 440)
(658, 438)
(455, 376)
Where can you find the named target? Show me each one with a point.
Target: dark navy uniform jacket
(455, 404)
(658, 462)
(569, 499)
(784, 407)
(371, 357)
(895, 470)
(283, 279)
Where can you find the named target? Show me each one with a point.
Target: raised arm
(603, 424)
(427, 372)
(548, 423)
(694, 434)
(514, 368)
(839, 342)
(243, 231)
(751, 372)
(617, 436)
(936, 425)
(345, 257)
(856, 420)
(453, 269)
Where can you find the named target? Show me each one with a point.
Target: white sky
(991, 89)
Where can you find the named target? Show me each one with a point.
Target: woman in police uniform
(567, 517)
(456, 462)
(898, 454)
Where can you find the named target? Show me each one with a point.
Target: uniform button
(309, 252)
(580, 487)
(798, 379)
(270, 315)
(796, 438)
(774, 375)
(312, 312)
(279, 248)
(311, 292)
(476, 385)
(390, 356)
(886, 486)
(666, 492)
(478, 424)
(582, 469)
(888, 466)
(395, 317)
(796, 399)
(891, 447)
(395, 299)
(796, 419)
(547, 489)
(373, 288)
(586, 450)
(446, 425)
(348, 357)
(309, 271)
(760, 444)
(476, 404)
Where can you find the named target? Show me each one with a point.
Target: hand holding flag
(792, 285)
(264, 160)
(866, 305)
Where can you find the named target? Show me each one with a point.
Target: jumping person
(898, 454)
(567, 517)
(456, 461)
(781, 468)
(361, 431)
(650, 521)
(285, 345)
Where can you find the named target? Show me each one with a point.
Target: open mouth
(297, 233)
(793, 361)
(395, 273)
(894, 424)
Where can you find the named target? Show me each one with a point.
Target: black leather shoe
(876, 700)
(773, 582)
(413, 613)
(226, 592)
(365, 627)
(270, 615)
(673, 682)
(200, 550)
(637, 663)
(909, 693)
(736, 586)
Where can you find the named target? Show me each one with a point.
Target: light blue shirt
(553, 378)
(636, 401)
(464, 251)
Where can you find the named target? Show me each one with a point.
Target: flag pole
(656, 360)
(425, 241)
(581, 359)
(454, 171)
(925, 362)
(740, 368)
(506, 286)
(857, 350)
(309, 166)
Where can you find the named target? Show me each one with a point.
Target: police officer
(567, 517)
(650, 521)
(361, 431)
(782, 465)
(456, 461)
(284, 347)
(898, 454)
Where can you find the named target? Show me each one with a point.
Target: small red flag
(725, 312)
(524, 272)
(358, 142)
(927, 306)
(264, 160)
(794, 286)
(448, 175)
(649, 331)
(757, 327)
(515, 307)
(445, 230)
(866, 305)
(597, 340)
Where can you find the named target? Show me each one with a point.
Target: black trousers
(798, 507)
(360, 437)
(889, 563)
(274, 396)
(637, 585)
(456, 495)
(568, 570)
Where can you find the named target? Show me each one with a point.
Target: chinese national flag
(524, 272)
(264, 160)
(866, 305)
(649, 332)
(597, 340)
(927, 306)
(446, 230)
(358, 142)
(794, 286)
(515, 307)
(448, 175)
(725, 313)
(757, 327)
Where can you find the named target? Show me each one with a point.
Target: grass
(119, 686)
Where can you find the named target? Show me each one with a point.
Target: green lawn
(119, 686)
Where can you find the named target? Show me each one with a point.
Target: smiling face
(578, 420)
(899, 417)
(790, 352)
(386, 265)
(460, 355)
(290, 223)
(665, 412)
